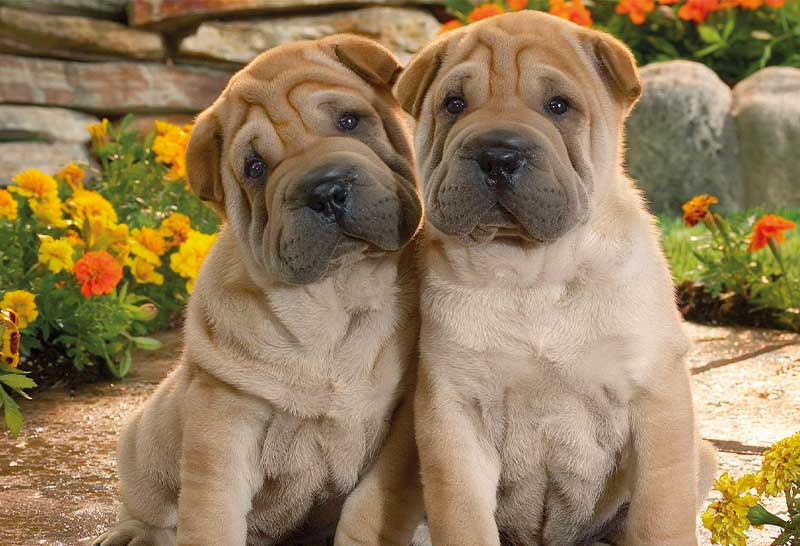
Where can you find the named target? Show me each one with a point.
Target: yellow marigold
(56, 254)
(781, 467)
(109, 236)
(727, 518)
(148, 245)
(696, 208)
(8, 205)
(98, 132)
(144, 272)
(48, 212)
(484, 11)
(23, 303)
(170, 147)
(188, 258)
(89, 204)
(9, 337)
(73, 175)
(175, 228)
(34, 184)
(73, 238)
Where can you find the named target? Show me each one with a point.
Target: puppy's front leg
(664, 496)
(460, 469)
(220, 470)
(386, 506)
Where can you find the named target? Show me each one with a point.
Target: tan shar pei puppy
(301, 332)
(554, 404)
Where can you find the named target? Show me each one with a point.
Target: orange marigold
(774, 3)
(452, 24)
(668, 2)
(770, 226)
(696, 208)
(517, 5)
(573, 11)
(749, 4)
(484, 11)
(637, 10)
(698, 10)
(97, 273)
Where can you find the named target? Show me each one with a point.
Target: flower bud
(145, 312)
(758, 515)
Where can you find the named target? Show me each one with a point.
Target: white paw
(136, 533)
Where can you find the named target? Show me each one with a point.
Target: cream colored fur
(553, 386)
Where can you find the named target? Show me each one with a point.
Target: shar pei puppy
(288, 407)
(554, 404)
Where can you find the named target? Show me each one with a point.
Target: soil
(50, 369)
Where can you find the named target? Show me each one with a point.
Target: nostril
(499, 161)
(328, 198)
(339, 195)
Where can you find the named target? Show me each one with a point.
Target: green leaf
(125, 364)
(146, 343)
(17, 382)
(709, 34)
(13, 416)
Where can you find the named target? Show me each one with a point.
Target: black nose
(499, 155)
(328, 197)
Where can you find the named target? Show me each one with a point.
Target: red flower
(698, 10)
(98, 273)
(770, 226)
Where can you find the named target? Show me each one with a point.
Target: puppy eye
(455, 105)
(255, 168)
(558, 106)
(347, 121)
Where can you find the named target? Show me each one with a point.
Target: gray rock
(681, 137)
(16, 157)
(109, 87)
(112, 9)
(43, 124)
(73, 37)
(402, 30)
(766, 107)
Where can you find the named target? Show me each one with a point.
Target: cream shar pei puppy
(554, 404)
(289, 401)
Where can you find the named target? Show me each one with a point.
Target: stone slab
(43, 124)
(16, 157)
(113, 9)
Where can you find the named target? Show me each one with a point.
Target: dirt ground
(58, 484)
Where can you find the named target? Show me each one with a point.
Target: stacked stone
(65, 64)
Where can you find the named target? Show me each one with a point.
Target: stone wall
(67, 63)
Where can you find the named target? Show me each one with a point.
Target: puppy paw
(136, 533)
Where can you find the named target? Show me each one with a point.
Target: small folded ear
(203, 159)
(617, 67)
(367, 58)
(416, 79)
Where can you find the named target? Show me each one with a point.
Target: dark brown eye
(255, 168)
(558, 106)
(347, 121)
(455, 105)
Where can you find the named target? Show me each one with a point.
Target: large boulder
(402, 30)
(109, 87)
(73, 37)
(37, 123)
(16, 157)
(112, 9)
(766, 107)
(682, 139)
(177, 13)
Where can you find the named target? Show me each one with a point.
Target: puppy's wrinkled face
(306, 155)
(517, 116)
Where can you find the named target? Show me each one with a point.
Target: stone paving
(58, 485)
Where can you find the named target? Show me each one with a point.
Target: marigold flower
(769, 226)
(8, 205)
(86, 204)
(34, 184)
(98, 132)
(114, 238)
(170, 147)
(187, 260)
(517, 5)
(573, 11)
(727, 518)
(696, 208)
(97, 273)
(780, 468)
(452, 24)
(774, 3)
(73, 238)
(484, 11)
(148, 244)
(698, 10)
(145, 272)
(668, 2)
(73, 175)
(23, 304)
(56, 254)
(49, 211)
(175, 229)
(637, 10)
(9, 337)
